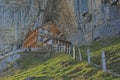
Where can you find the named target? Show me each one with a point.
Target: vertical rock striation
(80, 21)
(83, 21)
(16, 17)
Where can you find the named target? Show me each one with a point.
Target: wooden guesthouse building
(44, 36)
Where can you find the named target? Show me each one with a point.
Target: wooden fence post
(73, 52)
(103, 61)
(88, 52)
(61, 48)
(69, 50)
(80, 55)
(64, 48)
(58, 46)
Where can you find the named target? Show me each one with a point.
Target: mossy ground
(60, 66)
(112, 52)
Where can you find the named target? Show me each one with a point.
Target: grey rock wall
(16, 18)
(82, 21)
(4, 63)
(104, 21)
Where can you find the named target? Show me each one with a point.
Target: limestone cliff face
(16, 17)
(83, 21)
(62, 13)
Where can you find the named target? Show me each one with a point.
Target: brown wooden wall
(31, 39)
(54, 30)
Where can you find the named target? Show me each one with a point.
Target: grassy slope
(42, 68)
(54, 69)
(112, 51)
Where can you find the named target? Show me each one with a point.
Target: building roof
(50, 27)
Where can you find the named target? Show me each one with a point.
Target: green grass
(112, 52)
(58, 66)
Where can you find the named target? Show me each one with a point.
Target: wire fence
(98, 61)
